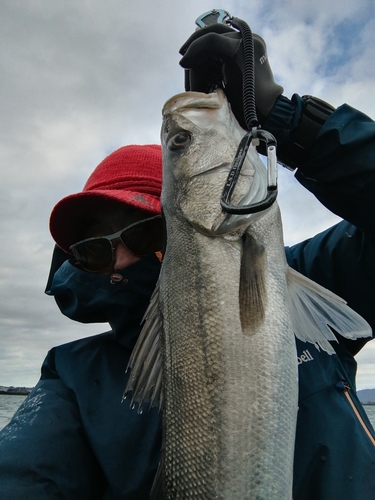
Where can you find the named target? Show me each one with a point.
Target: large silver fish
(225, 314)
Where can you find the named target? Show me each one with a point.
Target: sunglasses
(141, 238)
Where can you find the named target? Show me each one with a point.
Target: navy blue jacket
(73, 438)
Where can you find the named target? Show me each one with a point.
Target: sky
(80, 79)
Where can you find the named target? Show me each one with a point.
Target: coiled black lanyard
(255, 134)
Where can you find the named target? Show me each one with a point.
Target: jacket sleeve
(43, 450)
(340, 171)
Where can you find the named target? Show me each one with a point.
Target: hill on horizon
(366, 395)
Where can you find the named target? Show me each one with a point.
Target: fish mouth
(201, 109)
(194, 100)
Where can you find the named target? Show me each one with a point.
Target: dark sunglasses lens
(94, 255)
(144, 238)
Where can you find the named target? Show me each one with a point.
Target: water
(370, 410)
(8, 407)
(10, 404)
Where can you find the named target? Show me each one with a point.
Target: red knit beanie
(130, 175)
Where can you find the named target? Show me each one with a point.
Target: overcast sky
(82, 78)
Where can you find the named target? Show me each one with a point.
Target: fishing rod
(256, 134)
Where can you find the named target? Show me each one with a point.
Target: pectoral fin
(145, 381)
(314, 309)
(252, 294)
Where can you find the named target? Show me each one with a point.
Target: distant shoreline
(15, 391)
(366, 396)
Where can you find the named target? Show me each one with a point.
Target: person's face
(108, 220)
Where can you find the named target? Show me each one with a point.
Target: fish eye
(179, 140)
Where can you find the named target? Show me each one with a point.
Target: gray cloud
(80, 79)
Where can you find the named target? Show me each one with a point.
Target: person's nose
(123, 257)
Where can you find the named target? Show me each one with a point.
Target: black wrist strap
(314, 116)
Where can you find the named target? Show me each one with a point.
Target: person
(72, 437)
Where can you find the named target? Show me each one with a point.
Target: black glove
(214, 56)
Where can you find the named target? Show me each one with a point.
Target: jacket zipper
(346, 389)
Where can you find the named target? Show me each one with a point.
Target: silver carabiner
(212, 17)
(270, 198)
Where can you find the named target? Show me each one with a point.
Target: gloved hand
(214, 54)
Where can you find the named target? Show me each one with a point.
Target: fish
(217, 351)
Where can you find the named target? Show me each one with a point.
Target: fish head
(200, 136)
